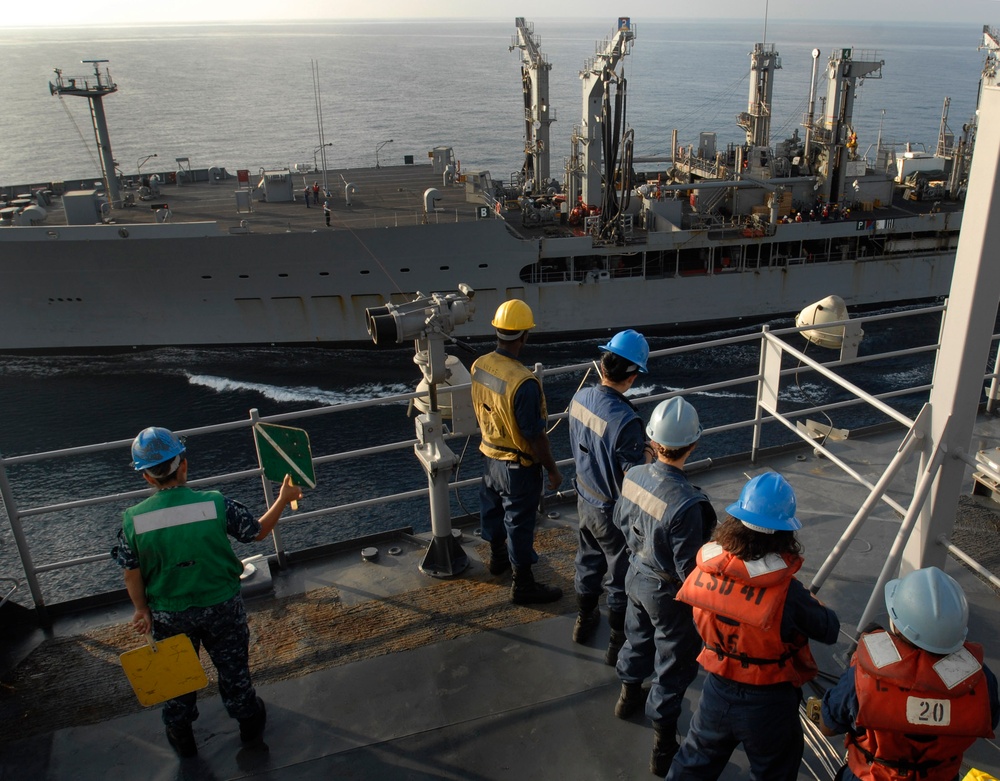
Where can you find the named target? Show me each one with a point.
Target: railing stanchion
(23, 549)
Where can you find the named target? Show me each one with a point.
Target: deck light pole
(142, 161)
(315, 164)
(378, 148)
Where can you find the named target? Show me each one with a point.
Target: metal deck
(503, 698)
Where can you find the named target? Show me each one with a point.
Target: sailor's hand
(142, 621)
(289, 491)
(555, 479)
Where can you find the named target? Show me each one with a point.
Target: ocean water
(242, 97)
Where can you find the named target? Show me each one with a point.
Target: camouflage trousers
(222, 629)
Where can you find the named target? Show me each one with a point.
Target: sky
(19, 13)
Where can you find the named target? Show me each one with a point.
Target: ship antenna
(764, 39)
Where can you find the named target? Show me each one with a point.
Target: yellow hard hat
(513, 315)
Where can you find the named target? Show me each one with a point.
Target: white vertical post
(965, 341)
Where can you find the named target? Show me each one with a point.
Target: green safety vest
(184, 553)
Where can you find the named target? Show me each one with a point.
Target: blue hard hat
(766, 505)
(929, 609)
(630, 345)
(155, 445)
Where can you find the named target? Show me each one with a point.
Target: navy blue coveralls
(606, 436)
(665, 520)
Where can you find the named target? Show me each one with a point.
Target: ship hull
(93, 288)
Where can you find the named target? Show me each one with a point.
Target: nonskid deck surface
(383, 197)
(373, 670)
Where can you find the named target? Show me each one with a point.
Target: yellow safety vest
(495, 380)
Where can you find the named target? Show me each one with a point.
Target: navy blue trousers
(508, 507)
(765, 719)
(222, 629)
(601, 553)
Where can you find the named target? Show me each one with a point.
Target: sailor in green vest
(510, 408)
(183, 577)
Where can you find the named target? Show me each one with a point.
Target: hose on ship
(617, 149)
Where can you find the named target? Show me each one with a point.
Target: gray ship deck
(372, 670)
(384, 197)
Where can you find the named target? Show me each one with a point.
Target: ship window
(444, 268)
(365, 271)
(403, 270)
(282, 275)
(244, 276)
(206, 276)
(324, 273)
(484, 265)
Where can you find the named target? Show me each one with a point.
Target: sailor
(665, 520)
(607, 438)
(326, 208)
(918, 695)
(511, 411)
(183, 577)
(756, 620)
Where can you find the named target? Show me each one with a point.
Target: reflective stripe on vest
(646, 500)
(591, 420)
(174, 516)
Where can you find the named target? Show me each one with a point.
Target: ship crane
(538, 115)
(596, 76)
(95, 92)
(833, 136)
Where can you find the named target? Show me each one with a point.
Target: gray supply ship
(711, 235)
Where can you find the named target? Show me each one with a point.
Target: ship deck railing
(768, 409)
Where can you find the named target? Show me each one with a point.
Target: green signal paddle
(283, 450)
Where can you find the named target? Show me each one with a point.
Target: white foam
(312, 394)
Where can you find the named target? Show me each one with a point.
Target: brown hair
(672, 453)
(749, 545)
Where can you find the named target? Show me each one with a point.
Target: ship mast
(95, 92)
(538, 117)
(596, 75)
(756, 120)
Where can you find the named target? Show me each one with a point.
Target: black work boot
(616, 621)
(182, 739)
(525, 590)
(499, 559)
(631, 700)
(664, 748)
(252, 727)
(588, 619)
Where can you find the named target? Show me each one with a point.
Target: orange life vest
(920, 711)
(738, 615)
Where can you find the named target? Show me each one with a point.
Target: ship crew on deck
(917, 696)
(665, 521)
(607, 438)
(183, 577)
(510, 408)
(756, 620)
